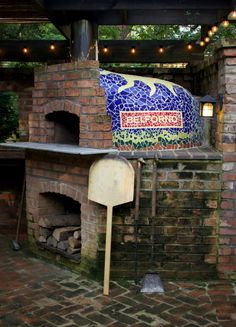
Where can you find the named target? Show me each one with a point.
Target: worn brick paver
(36, 293)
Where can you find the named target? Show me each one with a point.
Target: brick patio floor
(36, 293)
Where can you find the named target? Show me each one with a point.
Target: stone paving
(36, 293)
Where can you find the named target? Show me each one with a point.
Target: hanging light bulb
(133, 50)
(25, 50)
(161, 49)
(52, 47)
(201, 43)
(233, 14)
(210, 33)
(214, 28)
(225, 23)
(105, 49)
(189, 46)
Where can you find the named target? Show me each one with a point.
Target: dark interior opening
(66, 127)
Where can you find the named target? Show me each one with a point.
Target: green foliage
(225, 32)
(44, 31)
(161, 32)
(165, 32)
(148, 32)
(8, 115)
(120, 32)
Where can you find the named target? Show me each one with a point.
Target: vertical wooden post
(107, 251)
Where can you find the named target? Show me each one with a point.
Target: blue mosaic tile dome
(149, 113)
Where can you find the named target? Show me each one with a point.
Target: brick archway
(61, 105)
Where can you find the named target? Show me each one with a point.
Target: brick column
(74, 88)
(226, 135)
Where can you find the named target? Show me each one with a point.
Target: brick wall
(227, 144)
(74, 88)
(220, 78)
(65, 175)
(185, 226)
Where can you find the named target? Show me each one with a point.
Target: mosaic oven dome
(149, 113)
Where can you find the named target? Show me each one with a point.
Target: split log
(51, 241)
(51, 221)
(62, 245)
(46, 232)
(74, 243)
(72, 251)
(77, 234)
(62, 234)
(42, 239)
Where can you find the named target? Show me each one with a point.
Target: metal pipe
(84, 35)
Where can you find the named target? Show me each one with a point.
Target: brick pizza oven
(68, 118)
(68, 130)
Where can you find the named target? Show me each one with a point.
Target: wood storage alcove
(60, 225)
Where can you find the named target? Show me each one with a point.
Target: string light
(210, 33)
(206, 39)
(105, 49)
(202, 43)
(233, 14)
(161, 49)
(25, 50)
(189, 46)
(214, 28)
(225, 23)
(52, 46)
(133, 50)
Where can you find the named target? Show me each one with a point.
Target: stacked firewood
(62, 232)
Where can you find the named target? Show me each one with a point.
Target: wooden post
(107, 251)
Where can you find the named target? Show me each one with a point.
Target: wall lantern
(207, 106)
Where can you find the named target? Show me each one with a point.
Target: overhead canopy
(23, 11)
(117, 12)
(65, 13)
(129, 12)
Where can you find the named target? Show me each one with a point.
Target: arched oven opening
(66, 127)
(60, 225)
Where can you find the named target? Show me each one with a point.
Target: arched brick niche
(56, 187)
(59, 122)
(72, 88)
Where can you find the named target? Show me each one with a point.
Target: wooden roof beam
(101, 5)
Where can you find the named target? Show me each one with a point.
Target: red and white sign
(151, 119)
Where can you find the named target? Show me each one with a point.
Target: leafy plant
(8, 115)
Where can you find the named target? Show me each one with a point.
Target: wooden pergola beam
(37, 50)
(82, 5)
(24, 11)
(147, 51)
(139, 12)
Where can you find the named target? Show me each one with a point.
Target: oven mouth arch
(66, 127)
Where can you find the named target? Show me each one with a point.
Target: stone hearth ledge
(195, 153)
(58, 148)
